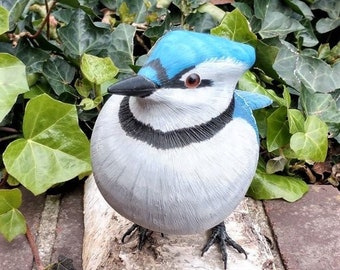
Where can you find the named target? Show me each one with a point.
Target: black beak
(134, 86)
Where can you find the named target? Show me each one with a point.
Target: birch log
(104, 228)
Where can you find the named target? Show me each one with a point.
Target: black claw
(220, 236)
(129, 231)
(144, 234)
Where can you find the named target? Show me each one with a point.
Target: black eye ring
(193, 80)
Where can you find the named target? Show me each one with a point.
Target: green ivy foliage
(12, 222)
(55, 67)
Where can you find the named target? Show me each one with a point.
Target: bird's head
(189, 70)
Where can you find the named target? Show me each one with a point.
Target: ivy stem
(46, 20)
(306, 170)
(8, 129)
(97, 93)
(34, 248)
(141, 42)
(10, 137)
(212, 10)
(4, 178)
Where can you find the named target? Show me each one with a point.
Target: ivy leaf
(301, 8)
(270, 186)
(295, 120)
(63, 263)
(332, 7)
(44, 43)
(120, 47)
(53, 150)
(33, 58)
(277, 129)
(135, 11)
(9, 199)
(277, 19)
(235, 26)
(201, 22)
(108, 3)
(329, 6)
(59, 74)
(276, 164)
(64, 15)
(15, 9)
(286, 97)
(97, 70)
(4, 20)
(316, 75)
(157, 30)
(249, 83)
(265, 58)
(12, 82)
(285, 64)
(104, 86)
(88, 103)
(185, 6)
(71, 3)
(82, 36)
(38, 89)
(325, 25)
(312, 144)
(323, 106)
(12, 222)
(84, 87)
(124, 13)
(261, 116)
(309, 38)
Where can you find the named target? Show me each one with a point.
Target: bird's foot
(219, 235)
(144, 234)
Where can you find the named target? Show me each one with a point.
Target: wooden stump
(104, 229)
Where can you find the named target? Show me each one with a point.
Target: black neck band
(175, 138)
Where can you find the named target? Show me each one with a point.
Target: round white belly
(176, 191)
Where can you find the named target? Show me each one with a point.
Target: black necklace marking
(171, 139)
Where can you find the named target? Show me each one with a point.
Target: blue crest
(179, 50)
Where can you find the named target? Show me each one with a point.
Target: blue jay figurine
(175, 148)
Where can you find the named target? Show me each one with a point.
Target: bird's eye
(193, 80)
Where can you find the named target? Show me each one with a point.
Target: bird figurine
(175, 148)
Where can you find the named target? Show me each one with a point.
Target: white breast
(176, 191)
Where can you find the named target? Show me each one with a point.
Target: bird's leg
(219, 235)
(144, 234)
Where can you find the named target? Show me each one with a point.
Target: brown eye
(193, 80)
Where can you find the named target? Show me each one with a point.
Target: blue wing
(255, 101)
(245, 102)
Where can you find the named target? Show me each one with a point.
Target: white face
(222, 75)
(170, 107)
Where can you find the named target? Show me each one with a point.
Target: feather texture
(178, 50)
(180, 160)
(179, 191)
